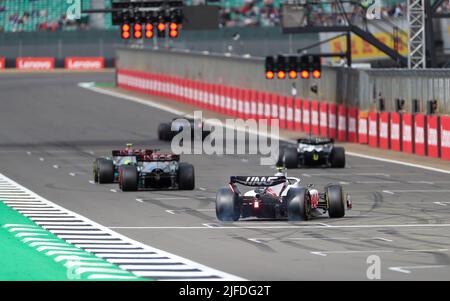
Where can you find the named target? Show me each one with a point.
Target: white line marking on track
(72, 174)
(140, 200)
(55, 166)
(41, 159)
(441, 203)
(170, 211)
(113, 190)
(91, 182)
(306, 175)
(201, 188)
(388, 192)
(407, 270)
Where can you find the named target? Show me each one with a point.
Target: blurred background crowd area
(51, 15)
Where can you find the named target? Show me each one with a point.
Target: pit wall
(410, 133)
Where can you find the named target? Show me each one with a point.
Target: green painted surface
(29, 253)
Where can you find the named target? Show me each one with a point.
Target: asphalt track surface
(51, 130)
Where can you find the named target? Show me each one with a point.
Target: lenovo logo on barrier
(35, 63)
(95, 63)
(445, 141)
(420, 137)
(395, 131)
(407, 133)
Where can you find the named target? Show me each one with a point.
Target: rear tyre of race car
(337, 157)
(228, 208)
(335, 199)
(298, 208)
(290, 158)
(129, 178)
(186, 176)
(164, 132)
(105, 171)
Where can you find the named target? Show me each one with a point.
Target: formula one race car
(165, 132)
(313, 151)
(157, 171)
(278, 197)
(106, 170)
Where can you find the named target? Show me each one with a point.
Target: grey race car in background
(313, 151)
(165, 132)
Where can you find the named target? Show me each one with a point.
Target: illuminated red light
(304, 74)
(125, 35)
(316, 74)
(173, 33)
(270, 75)
(137, 27)
(256, 204)
(161, 26)
(173, 26)
(138, 34)
(281, 74)
(125, 27)
(293, 74)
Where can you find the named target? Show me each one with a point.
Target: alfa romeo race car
(278, 197)
(157, 171)
(106, 170)
(313, 151)
(165, 132)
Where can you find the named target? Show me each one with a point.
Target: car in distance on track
(157, 171)
(313, 151)
(106, 170)
(165, 132)
(278, 197)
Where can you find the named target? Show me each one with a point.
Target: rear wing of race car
(258, 181)
(158, 158)
(138, 152)
(316, 141)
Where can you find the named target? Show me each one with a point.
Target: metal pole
(349, 49)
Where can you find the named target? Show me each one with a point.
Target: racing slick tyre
(337, 157)
(129, 178)
(105, 171)
(164, 132)
(186, 176)
(298, 207)
(228, 208)
(335, 200)
(95, 169)
(290, 158)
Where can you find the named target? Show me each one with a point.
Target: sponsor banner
(433, 136)
(407, 133)
(373, 129)
(2, 63)
(253, 104)
(332, 120)
(246, 104)
(282, 111)
(260, 103)
(35, 63)
(445, 137)
(234, 102)
(315, 117)
(342, 123)
(267, 106)
(290, 113)
(396, 134)
(352, 133)
(298, 114)
(274, 106)
(419, 134)
(84, 63)
(363, 128)
(306, 116)
(323, 119)
(384, 130)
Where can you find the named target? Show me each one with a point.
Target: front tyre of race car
(290, 158)
(105, 171)
(164, 132)
(337, 157)
(335, 200)
(228, 207)
(129, 178)
(298, 206)
(186, 176)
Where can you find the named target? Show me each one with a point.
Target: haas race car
(165, 132)
(106, 170)
(157, 171)
(278, 197)
(313, 151)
